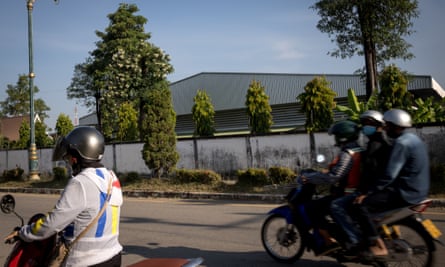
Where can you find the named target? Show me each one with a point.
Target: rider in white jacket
(81, 201)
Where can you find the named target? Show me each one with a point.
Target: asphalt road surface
(224, 233)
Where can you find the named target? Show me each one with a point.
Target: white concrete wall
(224, 154)
(185, 149)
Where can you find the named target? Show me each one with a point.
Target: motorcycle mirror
(320, 158)
(7, 204)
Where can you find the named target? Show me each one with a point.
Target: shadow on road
(220, 258)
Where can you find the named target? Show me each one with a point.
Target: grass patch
(146, 184)
(186, 183)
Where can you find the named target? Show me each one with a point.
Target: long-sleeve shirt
(339, 171)
(407, 171)
(80, 202)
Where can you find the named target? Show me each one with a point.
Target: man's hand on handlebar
(13, 236)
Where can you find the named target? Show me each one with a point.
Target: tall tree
(159, 151)
(17, 102)
(127, 123)
(317, 103)
(64, 125)
(81, 87)
(394, 89)
(121, 69)
(203, 114)
(369, 28)
(258, 108)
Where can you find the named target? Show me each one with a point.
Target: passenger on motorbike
(82, 199)
(343, 175)
(405, 182)
(373, 164)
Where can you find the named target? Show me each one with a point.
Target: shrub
(131, 177)
(13, 174)
(281, 175)
(253, 177)
(197, 176)
(60, 173)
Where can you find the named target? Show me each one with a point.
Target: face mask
(368, 130)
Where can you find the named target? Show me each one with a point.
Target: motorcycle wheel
(413, 233)
(282, 241)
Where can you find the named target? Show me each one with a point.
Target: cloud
(287, 50)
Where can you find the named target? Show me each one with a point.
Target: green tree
(24, 135)
(203, 114)
(258, 109)
(428, 110)
(17, 102)
(81, 87)
(4, 142)
(425, 110)
(42, 138)
(317, 103)
(63, 125)
(121, 69)
(159, 151)
(394, 89)
(369, 28)
(127, 122)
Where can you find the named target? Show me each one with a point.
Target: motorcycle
(39, 253)
(410, 238)
(26, 254)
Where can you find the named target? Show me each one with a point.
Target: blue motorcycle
(287, 233)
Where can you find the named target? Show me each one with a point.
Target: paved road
(224, 233)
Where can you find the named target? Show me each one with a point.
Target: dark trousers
(116, 261)
(318, 209)
(378, 201)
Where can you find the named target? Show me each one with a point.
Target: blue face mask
(369, 130)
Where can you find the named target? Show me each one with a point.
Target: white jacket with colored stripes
(80, 202)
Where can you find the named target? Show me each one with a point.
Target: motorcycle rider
(84, 195)
(373, 165)
(405, 182)
(343, 175)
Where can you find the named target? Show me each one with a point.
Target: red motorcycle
(38, 253)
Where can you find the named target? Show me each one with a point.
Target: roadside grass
(172, 185)
(149, 184)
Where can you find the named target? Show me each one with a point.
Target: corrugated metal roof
(228, 90)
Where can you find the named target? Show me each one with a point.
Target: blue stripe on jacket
(103, 198)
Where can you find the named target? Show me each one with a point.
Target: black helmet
(344, 131)
(87, 141)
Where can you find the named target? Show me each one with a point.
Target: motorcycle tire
(282, 241)
(414, 234)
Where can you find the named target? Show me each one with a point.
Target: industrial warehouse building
(228, 94)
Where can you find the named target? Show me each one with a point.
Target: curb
(266, 198)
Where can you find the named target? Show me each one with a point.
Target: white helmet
(373, 115)
(398, 117)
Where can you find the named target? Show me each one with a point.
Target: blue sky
(277, 36)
